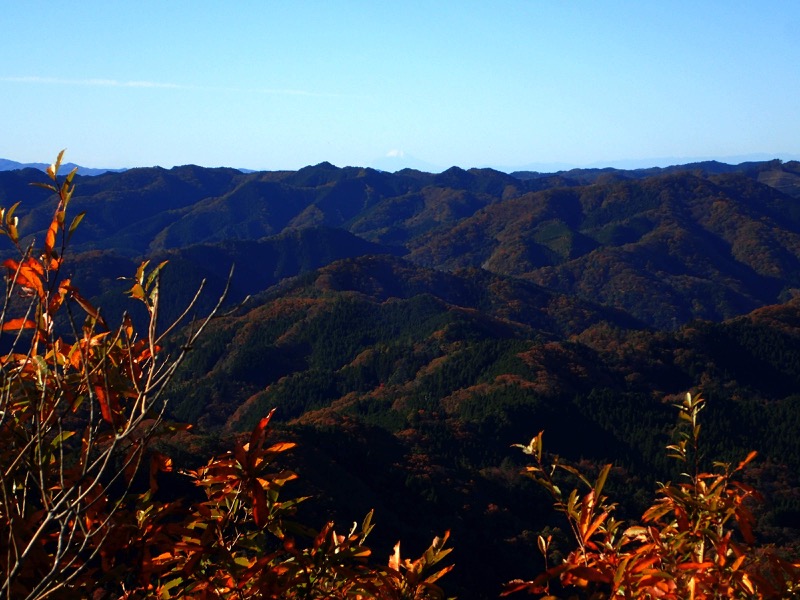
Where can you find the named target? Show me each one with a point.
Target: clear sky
(502, 83)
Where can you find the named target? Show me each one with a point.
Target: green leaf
(366, 525)
(61, 437)
(10, 213)
(601, 480)
(71, 175)
(576, 473)
(165, 589)
(74, 225)
(153, 274)
(52, 170)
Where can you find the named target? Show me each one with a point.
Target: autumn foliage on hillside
(81, 512)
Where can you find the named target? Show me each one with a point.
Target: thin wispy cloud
(91, 82)
(116, 83)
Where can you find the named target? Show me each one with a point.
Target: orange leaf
(128, 324)
(643, 564)
(50, 238)
(35, 265)
(394, 558)
(75, 357)
(105, 409)
(747, 459)
(593, 527)
(16, 324)
(25, 274)
(690, 566)
(58, 299)
(748, 584)
(281, 447)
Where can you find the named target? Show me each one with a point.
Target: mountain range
(706, 240)
(410, 326)
(11, 165)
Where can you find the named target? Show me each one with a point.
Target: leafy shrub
(695, 541)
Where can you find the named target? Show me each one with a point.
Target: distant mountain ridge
(395, 161)
(706, 240)
(11, 165)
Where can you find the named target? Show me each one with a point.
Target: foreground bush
(80, 513)
(696, 540)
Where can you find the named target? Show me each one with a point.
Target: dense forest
(409, 328)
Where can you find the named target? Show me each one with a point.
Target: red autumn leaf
(257, 440)
(260, 506)
(257, 435)
(589, 574)
(57, 299)
(745, 521)
(87, 306)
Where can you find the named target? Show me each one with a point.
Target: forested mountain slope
(409, 385)
(667, 245)
(666, 249)
(410, 327)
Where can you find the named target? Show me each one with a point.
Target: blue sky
(508, 83)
